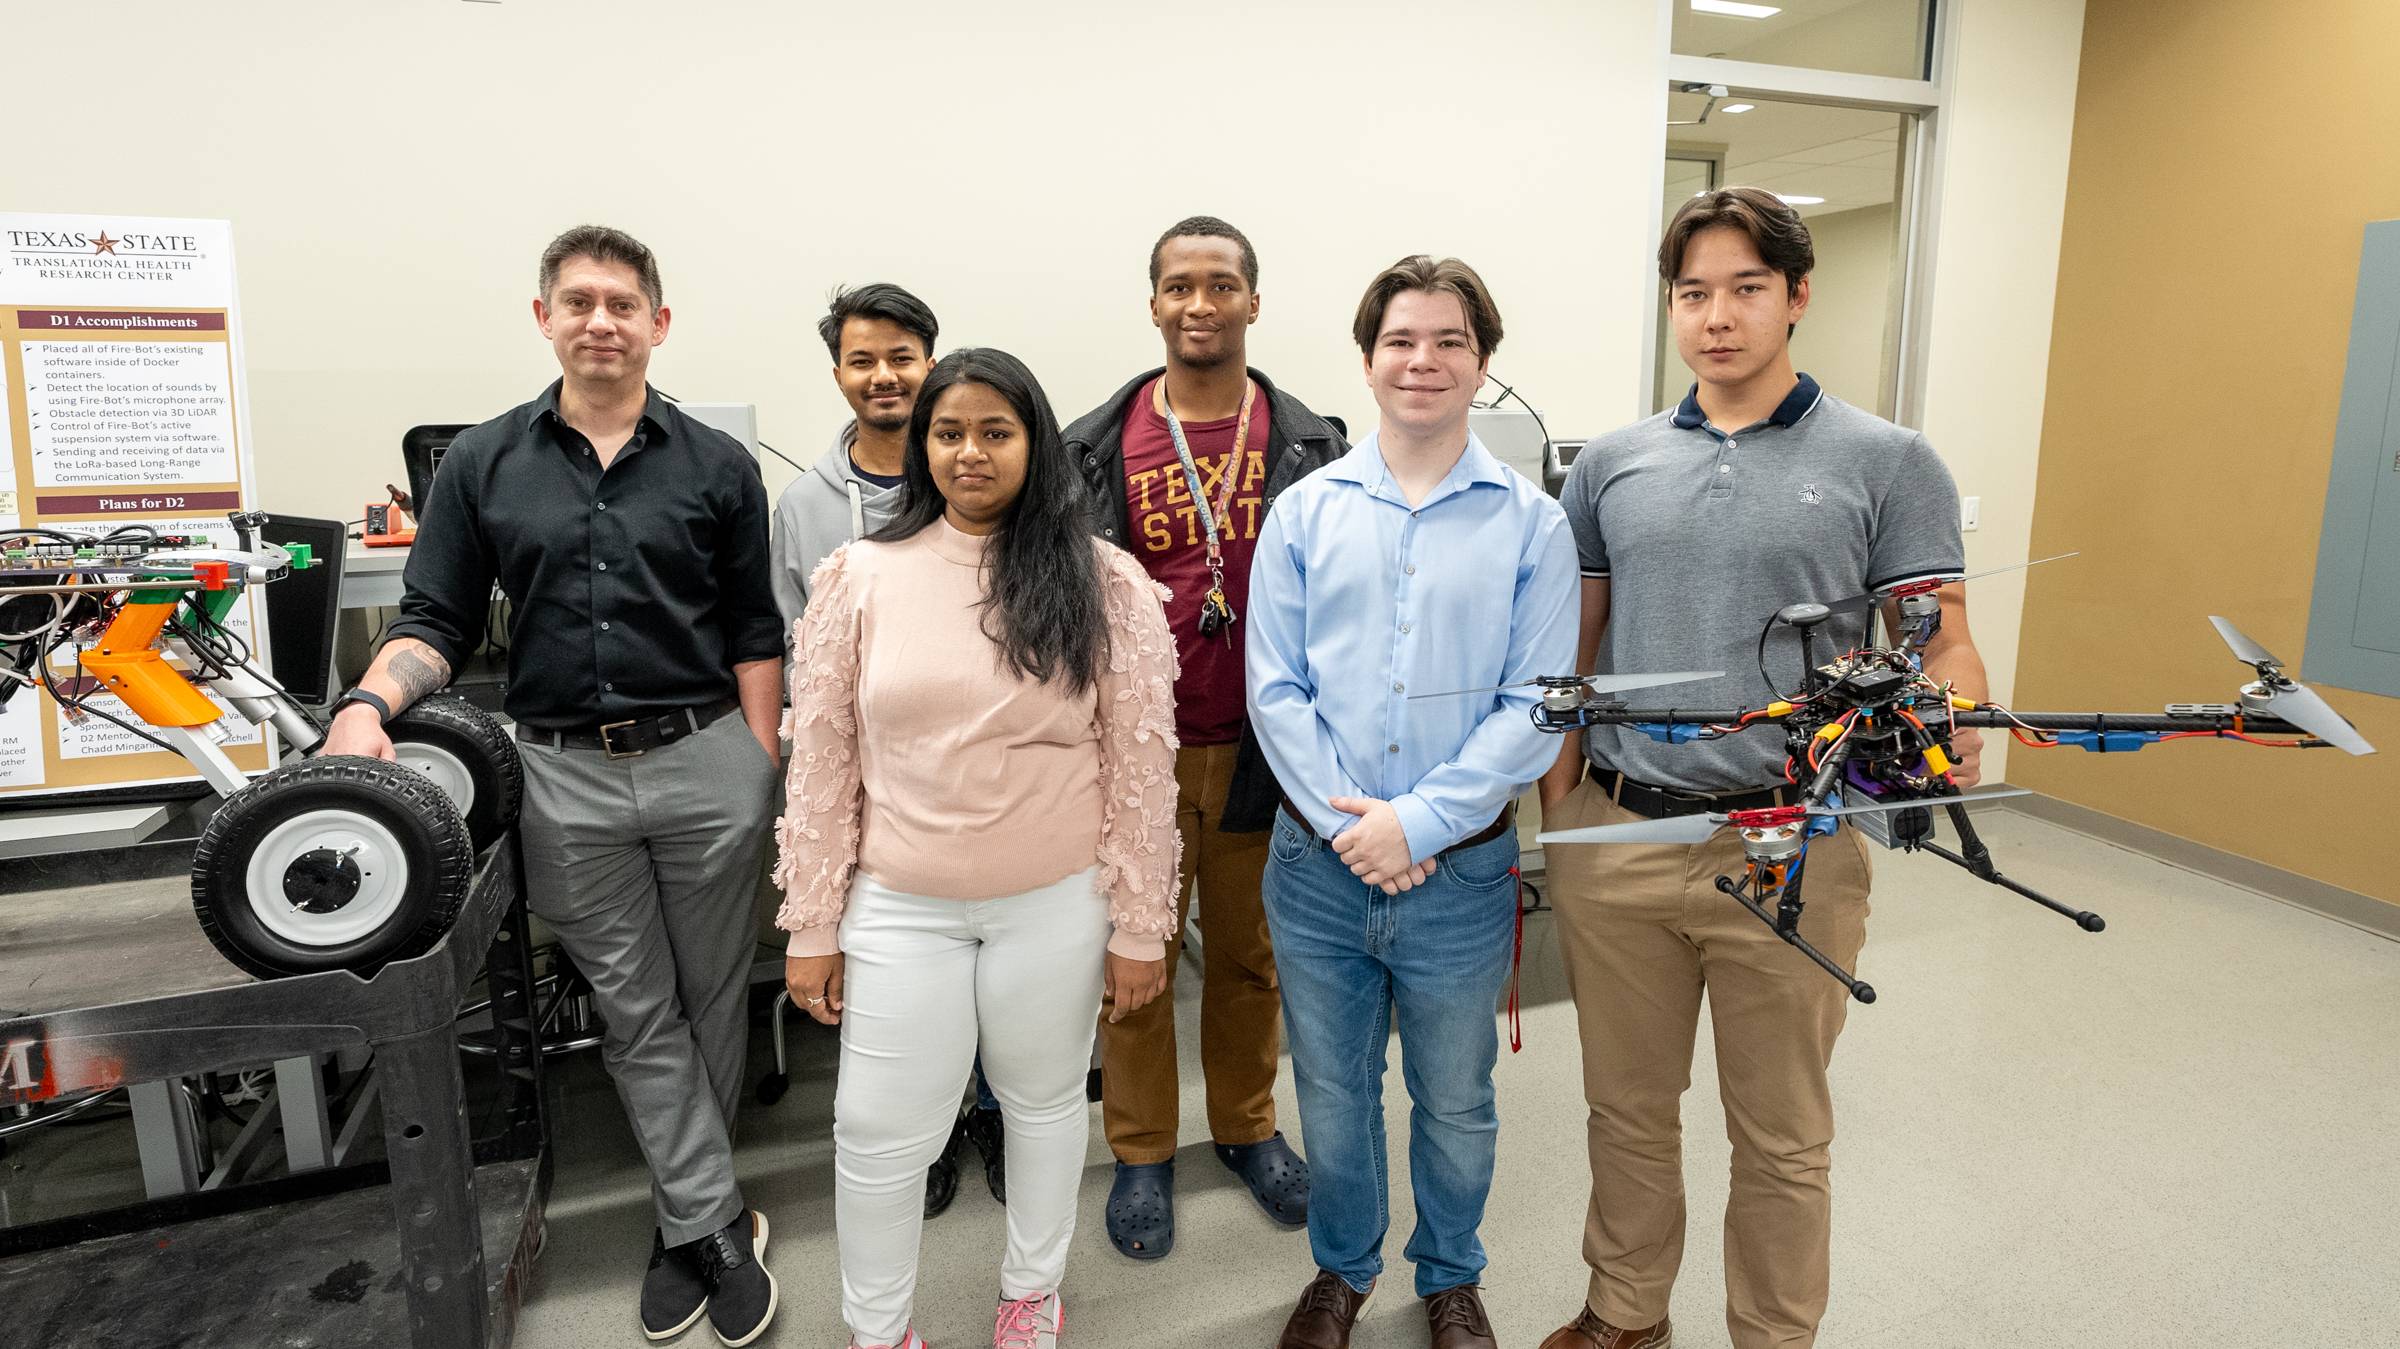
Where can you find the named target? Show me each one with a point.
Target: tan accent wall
(2227, 155)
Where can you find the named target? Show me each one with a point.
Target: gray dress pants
(646, 867)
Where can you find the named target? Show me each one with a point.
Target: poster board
(121, 350)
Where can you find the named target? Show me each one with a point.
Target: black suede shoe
(741, 1293)
(990, 1137)
(941, 1178)
(674, 1291)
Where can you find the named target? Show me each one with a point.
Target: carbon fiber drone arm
(2211, 719)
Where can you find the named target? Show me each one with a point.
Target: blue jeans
(1350, 957)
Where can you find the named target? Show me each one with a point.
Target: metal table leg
(168, 1137)
(307, 1130)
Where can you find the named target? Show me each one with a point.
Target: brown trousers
(1241, 1027)
(1643, 930)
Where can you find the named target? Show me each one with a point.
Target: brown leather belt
(1506, 822)
(1658, 803)
(634, 735)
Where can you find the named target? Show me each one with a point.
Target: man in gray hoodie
(881, 338)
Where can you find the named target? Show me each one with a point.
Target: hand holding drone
(1869, 738)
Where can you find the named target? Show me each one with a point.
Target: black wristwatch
(383, 710)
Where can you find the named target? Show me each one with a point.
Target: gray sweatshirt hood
(822, 510)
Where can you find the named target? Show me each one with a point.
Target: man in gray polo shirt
(1758, 490)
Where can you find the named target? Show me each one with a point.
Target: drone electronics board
(1870, 739)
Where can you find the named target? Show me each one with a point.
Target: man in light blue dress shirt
(1415, 565)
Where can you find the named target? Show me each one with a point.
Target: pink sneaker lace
(1019, 1322)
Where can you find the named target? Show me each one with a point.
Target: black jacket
(1303, 443)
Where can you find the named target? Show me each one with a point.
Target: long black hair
(1041, 596)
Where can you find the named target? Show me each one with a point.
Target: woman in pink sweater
(979, 840)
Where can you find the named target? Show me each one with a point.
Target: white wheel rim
(369, 844)
(442, 768)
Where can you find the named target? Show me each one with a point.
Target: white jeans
(924, 981)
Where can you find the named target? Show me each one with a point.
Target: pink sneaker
(1033, 1322)
(911, 1340)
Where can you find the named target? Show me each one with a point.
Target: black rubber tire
(476, 738)
(441, 863)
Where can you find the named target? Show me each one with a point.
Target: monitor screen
(1514, 438)
(421, 450)
(303, 607)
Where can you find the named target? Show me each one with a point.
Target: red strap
(1516, 973)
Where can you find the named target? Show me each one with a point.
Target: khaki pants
(1643, 929)
(1241, 1033)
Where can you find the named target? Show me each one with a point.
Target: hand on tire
(357, 730)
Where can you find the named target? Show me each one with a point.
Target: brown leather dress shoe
(1588, 1331)
(1328, 1308)
(1456, 1315)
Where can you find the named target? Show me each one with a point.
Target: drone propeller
(1689, 829)
(1596, 683)
(1962, 799)
(1856, 603)
(2279, 695)
(1684, 829)
(2245, 650)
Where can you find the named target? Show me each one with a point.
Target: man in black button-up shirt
(631, 542)
(639, 584)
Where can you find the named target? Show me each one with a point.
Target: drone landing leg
(1978, 863)
(1859, 988)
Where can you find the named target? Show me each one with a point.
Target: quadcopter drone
(326, 863)
(1868, 734)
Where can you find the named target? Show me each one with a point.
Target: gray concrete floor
(2178, 1132)
(2175, 1133)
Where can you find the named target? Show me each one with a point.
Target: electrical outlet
(1970, 513)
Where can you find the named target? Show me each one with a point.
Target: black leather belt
(1506, 822)
(1660, 802)
(634, 735)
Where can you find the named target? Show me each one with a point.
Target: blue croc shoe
(1277, 1178)
(1141, 1211)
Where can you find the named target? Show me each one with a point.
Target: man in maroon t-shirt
(1170, 537)
(1184, 462)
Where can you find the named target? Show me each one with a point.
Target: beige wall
(1842, 341)
(393, 170)
(2227, 155)
(2002, 191)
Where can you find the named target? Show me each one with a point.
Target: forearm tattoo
(418, 670)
